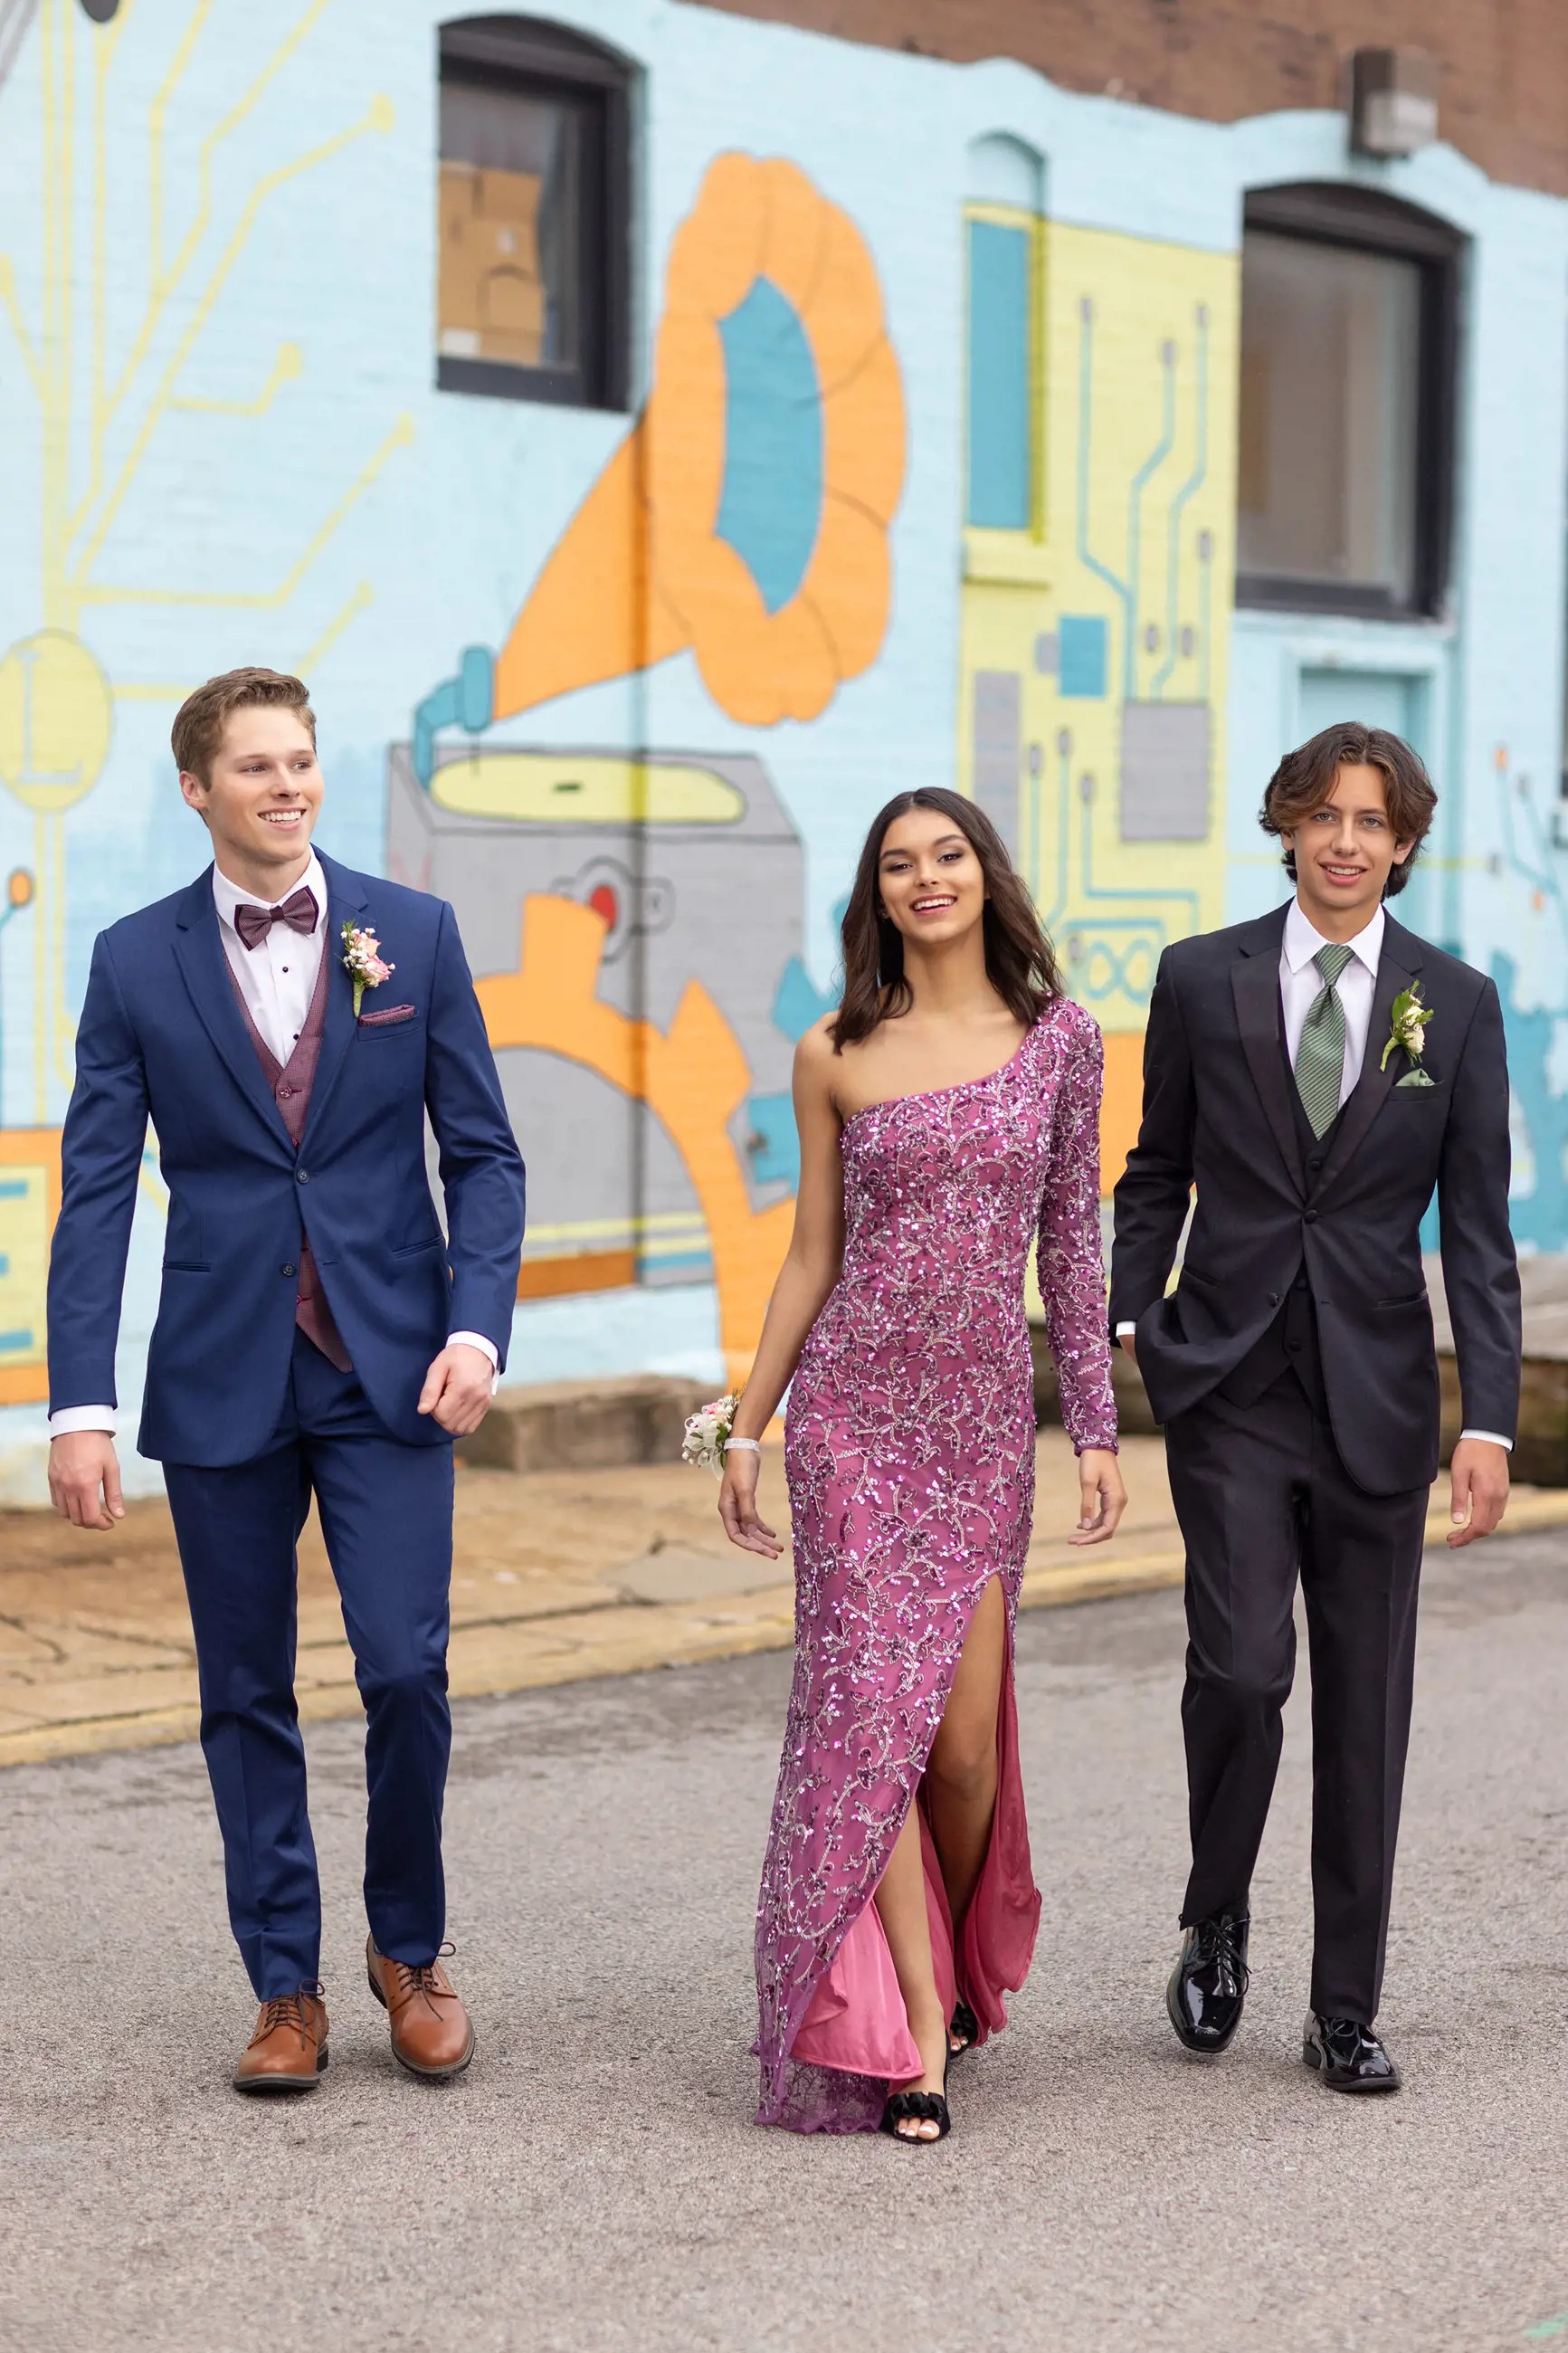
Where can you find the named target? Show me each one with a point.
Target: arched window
(534, 294)
(1344, 498)
(1005, 187)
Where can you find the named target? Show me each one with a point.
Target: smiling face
(261, 798)
(1345, 850)
(929, 879)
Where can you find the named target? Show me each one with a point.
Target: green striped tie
(1320, 1057)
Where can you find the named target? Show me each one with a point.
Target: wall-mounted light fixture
(1393, 102)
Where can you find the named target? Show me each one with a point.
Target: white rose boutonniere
(1407, 1033)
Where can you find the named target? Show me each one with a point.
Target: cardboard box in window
(491, 300)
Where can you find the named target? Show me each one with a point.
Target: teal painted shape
(1082, 655)
(467, 701)
(770, 506)
(776, 1156)
(798, 1001)
(999, 440)
(1539, 1217)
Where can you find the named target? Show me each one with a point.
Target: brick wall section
(1504, 63)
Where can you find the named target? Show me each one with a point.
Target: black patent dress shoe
(1347, 2055)
(1208, 1984)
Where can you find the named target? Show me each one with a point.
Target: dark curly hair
(1020, 963)
(1305, 778)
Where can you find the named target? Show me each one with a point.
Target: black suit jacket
(1217, 1114)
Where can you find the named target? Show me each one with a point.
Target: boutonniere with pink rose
(364, 962)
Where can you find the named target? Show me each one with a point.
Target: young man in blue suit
(286, 1025)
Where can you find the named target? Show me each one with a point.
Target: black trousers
(1262, 1497)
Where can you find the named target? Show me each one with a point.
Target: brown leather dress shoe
(288, 2051)
(430, 2031)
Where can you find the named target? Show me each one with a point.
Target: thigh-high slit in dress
(911, 1460)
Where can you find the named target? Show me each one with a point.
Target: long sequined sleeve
(1071, 1263)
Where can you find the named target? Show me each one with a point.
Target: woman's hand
(1102, 1496)
(738, 1506)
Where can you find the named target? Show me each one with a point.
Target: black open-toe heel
(919, 2107)
(962, 2023)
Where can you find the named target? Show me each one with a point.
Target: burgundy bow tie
(299, 912)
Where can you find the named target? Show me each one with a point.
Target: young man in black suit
(1316, 1074)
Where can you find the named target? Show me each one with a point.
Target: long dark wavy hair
(1020, 963)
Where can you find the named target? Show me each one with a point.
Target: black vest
(1291, 1343)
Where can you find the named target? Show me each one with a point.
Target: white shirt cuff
(485, 1348)
(1122, 1329)
(72, 1417)
(1491, 1438)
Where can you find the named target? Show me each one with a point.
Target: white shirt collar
(228, 895)
(1302, 940)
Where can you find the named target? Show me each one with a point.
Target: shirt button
(303, 1177)
(287, 1267)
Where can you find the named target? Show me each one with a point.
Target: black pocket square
(380, 1020)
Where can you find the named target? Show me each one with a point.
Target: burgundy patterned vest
(292, 1083)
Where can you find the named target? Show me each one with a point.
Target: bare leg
(961, 1778)
(901, 1902)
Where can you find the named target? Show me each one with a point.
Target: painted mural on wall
(636, 915)
(104, 406)
(1530, 976)
(1094, 642)
(704, 641)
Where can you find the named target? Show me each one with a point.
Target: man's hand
(1480, 1476)
(1128, 1341)
(84, 1478)
(458, 1388)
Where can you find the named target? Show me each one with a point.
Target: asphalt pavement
(595, 2181)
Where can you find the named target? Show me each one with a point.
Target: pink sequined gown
(910, 1458)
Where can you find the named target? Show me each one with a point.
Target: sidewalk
(559, 1575)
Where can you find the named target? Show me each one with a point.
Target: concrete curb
(618, 1638)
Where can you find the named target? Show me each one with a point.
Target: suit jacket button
(1274, 1298)
(1310, 1216)
(303, 1177)
(287, 1267)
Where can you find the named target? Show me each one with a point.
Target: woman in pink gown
(948, 1114)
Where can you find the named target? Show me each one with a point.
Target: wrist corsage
(708, 1434)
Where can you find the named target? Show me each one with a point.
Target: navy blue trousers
(386, 1515)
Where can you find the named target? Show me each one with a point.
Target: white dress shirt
(1301, 985)
(277, 979)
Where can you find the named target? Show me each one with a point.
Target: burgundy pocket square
(390, 1013)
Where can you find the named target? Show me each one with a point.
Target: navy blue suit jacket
(161, 1038)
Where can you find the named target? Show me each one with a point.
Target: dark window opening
(1348, 308)
(533, 282)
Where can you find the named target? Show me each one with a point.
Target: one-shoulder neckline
(960, 1086)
